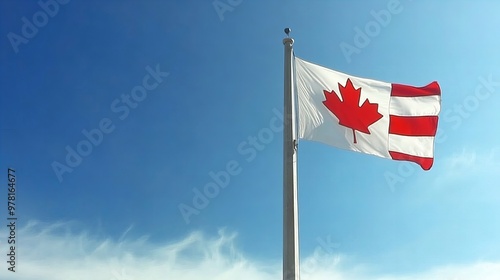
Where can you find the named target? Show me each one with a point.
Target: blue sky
(207, 77)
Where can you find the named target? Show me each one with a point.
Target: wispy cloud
(480, 270)
(57, 252)
(465, 159)
(470, 163)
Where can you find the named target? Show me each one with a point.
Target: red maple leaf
(348, 111)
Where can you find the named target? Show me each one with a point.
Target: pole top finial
(287, 31)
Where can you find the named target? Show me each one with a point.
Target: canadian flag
(383, 119)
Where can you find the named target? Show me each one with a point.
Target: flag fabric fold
(387, 120)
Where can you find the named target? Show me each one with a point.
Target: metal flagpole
(290, 211)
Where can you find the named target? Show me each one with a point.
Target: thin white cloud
(469, 164)
(56, 252)
(479, 270)
(465, 159)
(469, 159)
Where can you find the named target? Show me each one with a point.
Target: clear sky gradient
(180, 98)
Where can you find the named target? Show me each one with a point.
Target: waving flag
(383, 119)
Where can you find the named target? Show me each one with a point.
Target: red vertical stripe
(413, 126)
(409, 91)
